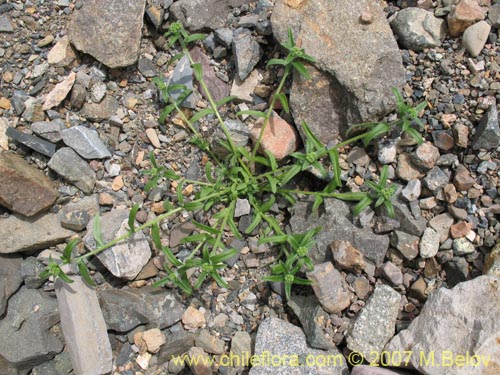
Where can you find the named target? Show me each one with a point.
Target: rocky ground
(79, 116)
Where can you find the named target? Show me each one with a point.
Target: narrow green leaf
(280, 238)
(180, 197)
(376, 132)
(251, 112)
(284, 102)
(318, 201)
(193, 206)
(198, 71)
(351, 196)
(155, 234)
(175, 58)
(273, 278)
(206, 228)
(194, 37)
(311, 137)
(225, 255)
(96, 231)
(199, 237)
(131, 217)
(220, 281)
(170, 256)
(290, 173)
(64, 277)
(199, 115)
(334, 159)
(233, 227)
(84, 271)
(200, 280)
(68, 250)
(390, 209)
(275, 62)
(362, 204)
(301, 281)
(227, 99)
(255, 222)
(299, 67)
(272, 160)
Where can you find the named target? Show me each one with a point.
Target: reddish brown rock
(406, 170)
(347, 257)
(426, 155)
(463, 180)
(460, 229)
(464, 14)
(461, 133)
(280, 138)
(23, 188)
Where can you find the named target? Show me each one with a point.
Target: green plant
(243, 174)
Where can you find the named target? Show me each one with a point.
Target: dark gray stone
(147, 68)
(78, 96)
(17, 100)
(198, 15)
(247, 52)
(183, 75)
(436, 179)
(6, 25)
(310, 313)
(407, 222)
(35, 143)
(60, 365)
(336, 226)
(488, 132)
(108, 30)
(457, 271)
(31, 268)
(361, 63)
(51, 131)
(177, 344)
(75, 220)
(282, 339)
(224, 36)
(125, 309)
(68, 164)
(10, 278)
(417, 29)
(30, 316)
(86, 142)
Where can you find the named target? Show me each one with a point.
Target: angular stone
(426, 155)
(408, 223)
(475, 37)
(407, 244)
(199, 15)
(193, 318)
(442, 223)
(125, 309)
(28, 322)
(4, 139)
(246, 51)
(462, 246)
(310, 314)
(487, 132)
(376, 323)
(127, 258)
(35, 143)
(417, 29)
(361, 61)
(464, 14)
(330, 287)
(23, 188)
(429, 243)
(243, 90)
(59, 92)
(183, 75)
(110, 31)
(68, 164)
(147, 68)
(98, 91)
(99, 111)
(209, 343)
(454, 321)
(347, 257)
(75, 220)
(406, 170)
(281, 338)
(38, 232)
(10, 278)
(78, 96)
(86, 142)
(62, 54)
(463, 180)
(217, 87)
(436, 179)
(494, 15)
(412, 190)
(177, 343)
(392, 273)
(51, 131)
(337, 226)
(83, 327)
(6, 25)
(279, 138)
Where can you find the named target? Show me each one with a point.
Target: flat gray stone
(127, 258)
(6, 25)
(37, 232)
(97, 111)
(375, 325)
(417, 28)
(457, 322)
(49, 130)
(361, 63)
(83, 327)
(336, 225)
(288, 342)
(199, 15)
(30, 316)
(246, 51)
(310, 314)
(68, 164)
(125, 309)
(10, 278)
(487, 132)
(86, 142)
(183, 75)
(108, 30)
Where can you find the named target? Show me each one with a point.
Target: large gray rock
(127, 258)
(199, 15)
(10, 278)
(86, 142)
(376, 323)
(361, 61)
(109, 30)
(246, 51)
(27, 339)
(125, 309)
(417, 29)
(68, 164)
(336, 225)
(83, 327)
(453, 324)
(23, 188)
(25, 234)
(287, 342)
